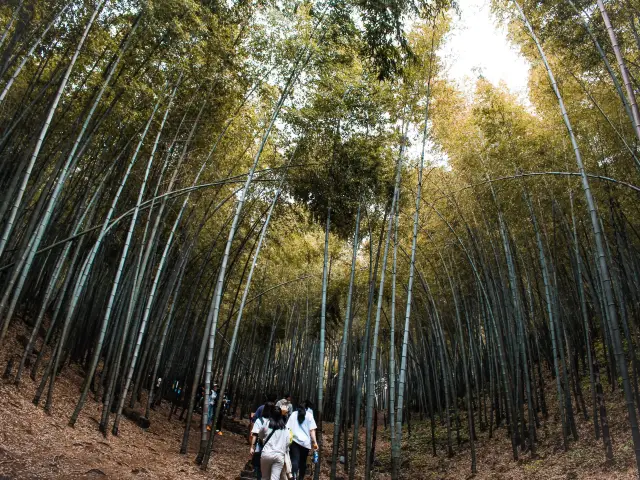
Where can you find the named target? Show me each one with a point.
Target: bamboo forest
(209, 206)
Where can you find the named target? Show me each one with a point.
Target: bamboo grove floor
(34, 445)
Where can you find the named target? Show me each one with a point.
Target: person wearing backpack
(256, 444)
(276, 438)
(258, 413)
(303, 428)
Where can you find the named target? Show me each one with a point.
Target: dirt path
(34, 445)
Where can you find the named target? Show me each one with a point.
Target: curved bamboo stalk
(245, 294)
(238, 178)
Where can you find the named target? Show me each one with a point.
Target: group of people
(281, 439)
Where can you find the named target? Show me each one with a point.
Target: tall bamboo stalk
(602, 265)
(343, 350)
(624, 73)
(376, 328)
(321, 344)
(243, 301)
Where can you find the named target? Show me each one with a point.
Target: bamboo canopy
(295, 197)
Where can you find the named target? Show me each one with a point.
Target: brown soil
(34, 445)
(584, 460)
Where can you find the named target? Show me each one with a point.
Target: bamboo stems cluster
(192, 196)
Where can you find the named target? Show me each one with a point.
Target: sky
(477, 44)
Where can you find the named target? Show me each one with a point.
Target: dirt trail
(34, 445)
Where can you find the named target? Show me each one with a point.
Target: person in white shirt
(276, 438)
(303, 426)
(256, 450)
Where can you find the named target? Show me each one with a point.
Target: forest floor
(585, 459)
(35, 445)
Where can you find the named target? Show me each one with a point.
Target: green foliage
(359, 76)
(386, 42)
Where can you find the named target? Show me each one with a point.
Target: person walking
(276, 438)
(303, 427)
(285, 405)
(213, 402)
(255, 451)
(259, 412)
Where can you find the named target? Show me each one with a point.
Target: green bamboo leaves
(161, 161)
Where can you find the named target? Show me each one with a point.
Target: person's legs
(271, 464)
(256, 466)
(276, 467)
(265, 466)
(304, 453)
(219, 422)
(294, 453)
